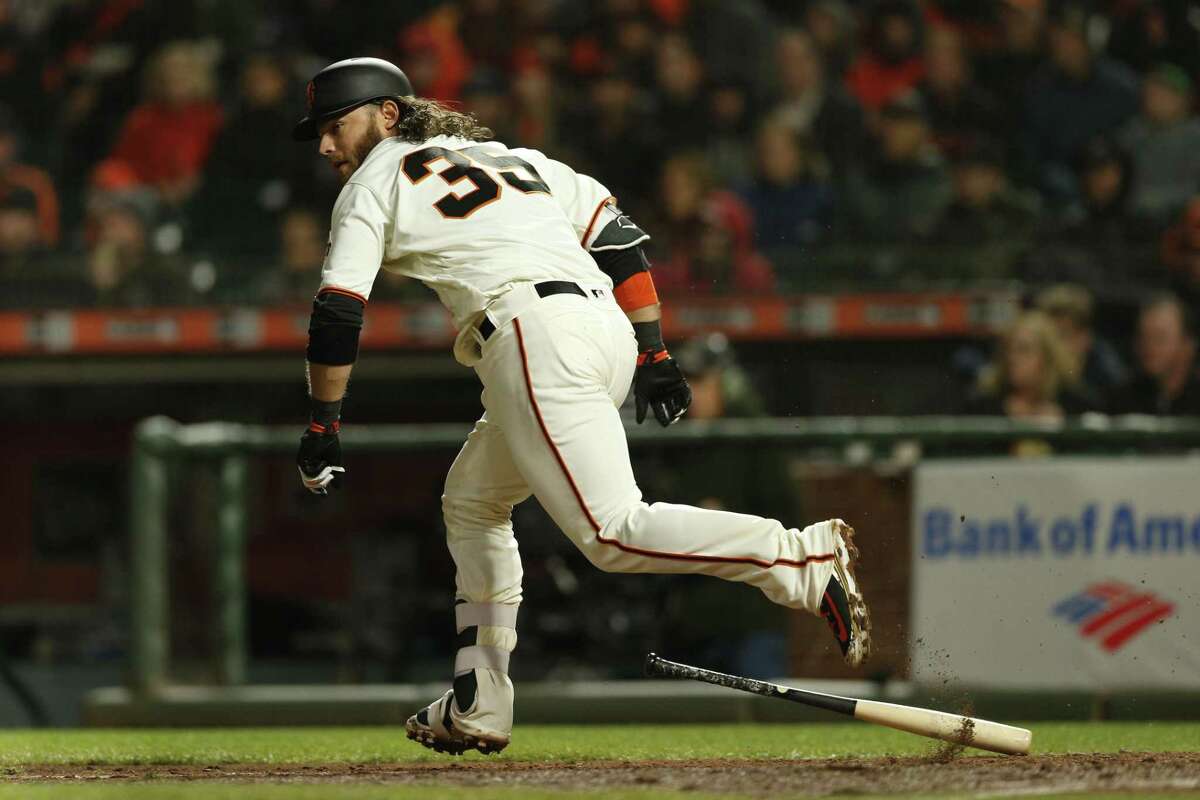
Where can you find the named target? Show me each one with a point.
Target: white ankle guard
(483, 616)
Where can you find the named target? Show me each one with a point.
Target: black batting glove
(658, 384)
(320, 457)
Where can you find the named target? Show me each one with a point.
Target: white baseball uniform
(483, 225)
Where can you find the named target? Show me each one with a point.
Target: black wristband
(649, 336)
(326, 412)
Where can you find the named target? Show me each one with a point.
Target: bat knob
(652, 662)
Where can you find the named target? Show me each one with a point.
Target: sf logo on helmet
(310, 94)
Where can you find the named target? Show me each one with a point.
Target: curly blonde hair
(1058, 366)
(422, 118)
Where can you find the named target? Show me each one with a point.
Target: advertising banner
(1058, 573)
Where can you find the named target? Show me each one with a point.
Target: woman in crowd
(1031, 376)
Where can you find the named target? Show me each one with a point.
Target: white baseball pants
(553, 380)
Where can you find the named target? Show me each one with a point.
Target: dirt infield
(1003, 775)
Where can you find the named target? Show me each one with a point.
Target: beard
(363, 148)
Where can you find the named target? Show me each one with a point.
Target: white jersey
(468, 219)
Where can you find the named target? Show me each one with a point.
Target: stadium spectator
(625, 33)
(1031, 376)
(891, 64)
(1180, 253)
(813, 106)
(831, 23)
(1164, 142)
(123, 267)
(958, 108)
(1007, 69)
(986, 210)
(1078, 95)
(1097, 365)
(709, 235)
(790, 196)
(1097, 241)
(20, 239)
(32, 277)
(679, 84)
(1167, 382)
(537, 113)
(1104, 177)
(489, 30)
(302, 234)
(1150, 32)
(720, 387)
(731, 128)
(619, 137)
(167, 138)
(251, 177)
(735, 38)
(27, 180)
(900, 193)
(486, 95)
(433, 54)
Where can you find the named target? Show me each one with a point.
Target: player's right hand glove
(658, 384)
(320, 457)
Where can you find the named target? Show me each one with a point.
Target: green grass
(163, 791)
(532, 743)
(546, 743)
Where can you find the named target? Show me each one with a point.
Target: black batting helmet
(344, 86)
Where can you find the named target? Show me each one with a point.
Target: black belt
(544, 289)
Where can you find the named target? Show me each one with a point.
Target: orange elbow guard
(636, 291)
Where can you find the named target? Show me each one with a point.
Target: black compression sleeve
(333, 345)
(620, 265)
(649, 336)
(333, 329)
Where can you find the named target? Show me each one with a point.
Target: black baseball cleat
(842, 605)
(432, 727)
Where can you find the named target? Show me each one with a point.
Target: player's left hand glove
(658, 384)
(320, 457)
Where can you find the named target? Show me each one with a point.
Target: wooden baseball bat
(969, 731)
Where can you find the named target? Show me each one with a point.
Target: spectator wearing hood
(1102, 214)
(27, 180)
(1096, 241)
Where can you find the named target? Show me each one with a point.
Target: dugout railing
(161, 445)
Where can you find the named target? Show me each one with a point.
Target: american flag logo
(310, 94)
(1113, 612)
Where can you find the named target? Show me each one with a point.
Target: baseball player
(556, 311)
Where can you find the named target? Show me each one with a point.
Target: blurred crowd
(768, 145)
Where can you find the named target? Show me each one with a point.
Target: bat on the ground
(955, 728)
